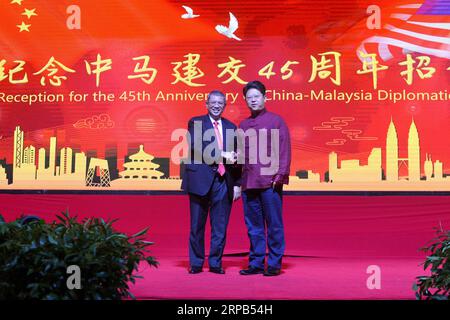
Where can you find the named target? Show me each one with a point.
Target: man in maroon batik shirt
(266, 156)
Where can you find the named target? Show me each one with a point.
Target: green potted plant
(436, 286)
(35, 258)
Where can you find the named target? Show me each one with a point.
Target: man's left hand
(277, 181)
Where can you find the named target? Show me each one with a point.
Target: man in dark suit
(212, 180)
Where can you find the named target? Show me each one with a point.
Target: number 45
(267, 70)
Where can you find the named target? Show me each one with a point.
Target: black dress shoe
(272, 272)
(250, 271)
(194, 270)
(217, 270)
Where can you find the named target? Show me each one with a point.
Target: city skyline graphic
(42, 169)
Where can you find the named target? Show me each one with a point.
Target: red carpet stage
(331, 240)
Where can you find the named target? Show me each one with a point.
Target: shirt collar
(263, 111)
(219, 122)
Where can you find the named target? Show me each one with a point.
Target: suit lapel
(224, 136)
(207, 125)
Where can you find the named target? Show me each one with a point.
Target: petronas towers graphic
(392, 158)
(352, 176)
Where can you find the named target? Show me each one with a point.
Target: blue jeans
(263, 210)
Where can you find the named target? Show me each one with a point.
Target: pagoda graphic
(141, 167)
(3, 177)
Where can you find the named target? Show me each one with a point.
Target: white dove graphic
(190, 13)
(232, 27)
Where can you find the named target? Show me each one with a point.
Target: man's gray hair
(216, 93)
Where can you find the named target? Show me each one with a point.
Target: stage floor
(303, 278)
(331, 240)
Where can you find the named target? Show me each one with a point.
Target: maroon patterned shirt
(260, 167)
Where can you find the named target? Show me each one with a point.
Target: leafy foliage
(437, 285)
(34, 258)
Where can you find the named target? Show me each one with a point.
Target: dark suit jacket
(198, 177)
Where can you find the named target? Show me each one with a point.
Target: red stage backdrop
(88, 89)
(95, 95)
